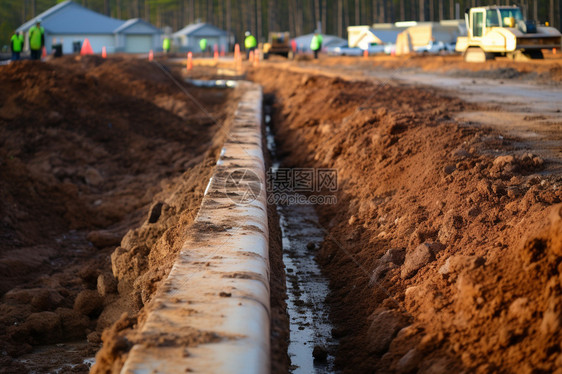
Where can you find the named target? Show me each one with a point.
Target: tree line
(261, 16)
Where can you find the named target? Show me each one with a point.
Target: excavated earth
(103, 164)
(443, 251)
(546, 72)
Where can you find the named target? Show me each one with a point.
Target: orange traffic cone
(216, 53)
(103, 52)
(365, 53)
(44, 52)
(150, 55)
(236, 51)
(222, 51)
(86, 48)
(189, 61)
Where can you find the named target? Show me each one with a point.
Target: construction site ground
(443, 251)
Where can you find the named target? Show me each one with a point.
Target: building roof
(71, 18)
(422, 34)
(200, 29)
(386, 36)
(136, 26)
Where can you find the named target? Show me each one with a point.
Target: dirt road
(530, 112)
(514, 104)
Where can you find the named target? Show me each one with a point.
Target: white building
(187, 39)
(137, 36)
(445, 31)
(364, 36)
(68, 23)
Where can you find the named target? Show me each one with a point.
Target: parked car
(431, 47)
(376, 48)
(436, 47)
(344, 50)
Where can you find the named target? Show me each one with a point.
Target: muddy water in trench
(307, 288)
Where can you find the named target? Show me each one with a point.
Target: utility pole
(210, 12)
(259, 23)
(559, 14)
(228, 15)
(458, 11)
(339, 15)
(431, 11)
(146, 11)
(324, 20)
(316, 12)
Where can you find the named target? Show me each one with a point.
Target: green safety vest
(203, 44)
(166, 44)
(316, 42)
(36, 37)
(17, 43)
(250, 42)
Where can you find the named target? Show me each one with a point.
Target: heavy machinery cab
(484, 18)
(503, 31)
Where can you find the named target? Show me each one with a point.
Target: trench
(311, 346)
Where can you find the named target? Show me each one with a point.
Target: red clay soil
(94, 154)
(546, 71)
(444, 249)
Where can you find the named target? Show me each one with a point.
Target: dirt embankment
(547, 71)
(93, 154)
(440, 251)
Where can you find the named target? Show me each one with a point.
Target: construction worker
(250, 43)
(166, 45)
(16, 44)
(203, 45)
(316, 44)
(36, 40)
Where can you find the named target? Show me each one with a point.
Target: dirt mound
(428, 253)
(547, 71)
(87, 147)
